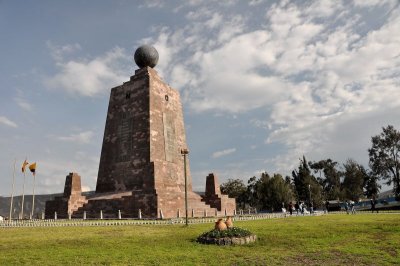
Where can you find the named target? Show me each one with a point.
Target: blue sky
(262, 82)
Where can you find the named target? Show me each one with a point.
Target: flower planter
(226, 241)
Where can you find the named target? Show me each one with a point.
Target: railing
(113, 222)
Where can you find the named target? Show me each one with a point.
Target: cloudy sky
(262, 82)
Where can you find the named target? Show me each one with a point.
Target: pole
(23, 198)
(12, 192)
(185, 152)
(309, 192)
(33, 194)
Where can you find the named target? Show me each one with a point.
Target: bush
(230, 232)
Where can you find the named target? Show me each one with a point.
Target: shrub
(230, 232)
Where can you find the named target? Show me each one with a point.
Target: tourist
(372, 205)
(297, 206)
(352, 206)
(346, 206)
(302, 208)
(291, 208)
(326, 206)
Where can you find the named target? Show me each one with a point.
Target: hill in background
(40, 202)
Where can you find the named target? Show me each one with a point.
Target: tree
(271, 192)
(354, 179)
(371, 186)
(384, 157)
(251, 192)
(235, 188)
(306, 184)
(330, 181)
(301, 180)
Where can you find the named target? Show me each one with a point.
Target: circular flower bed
(231, 236)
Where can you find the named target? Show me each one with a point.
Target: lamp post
(184, 153)
(309, 193)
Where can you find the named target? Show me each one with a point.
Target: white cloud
(314, 66)
(371, 3)
(82, 137)
(58, 52)
(152, 4)
(90, 77)
(218, 154)
(23, 103)
(255, 2)
(51, 172)
(7, 122)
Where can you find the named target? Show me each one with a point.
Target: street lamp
(309, 192)
(185, 153)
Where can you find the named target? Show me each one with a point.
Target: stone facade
(141, 166)
(215, 198)
(70, 201)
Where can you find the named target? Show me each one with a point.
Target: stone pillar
(119, 215)
(205, 212)
(161, 214)
(84, 215)
(212, 186)
(192, 212)
(101, 214)
(225, 212)
(216, 213)
(55, 215)
(69, 215)
(179, 213)
(234, 212)
(140, 214)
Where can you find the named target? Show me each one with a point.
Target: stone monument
(141, 166)
(70, 201)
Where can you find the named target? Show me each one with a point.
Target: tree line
(315, 182)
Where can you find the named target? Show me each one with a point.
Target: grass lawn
(363, 239)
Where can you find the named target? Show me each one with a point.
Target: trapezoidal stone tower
(141, 171)
(141, 165)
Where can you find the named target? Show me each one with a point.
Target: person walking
(372, 205)
(346, 206)
(297, 206)
(302, 208)
(352, 206)
(291, 208)
(326, 206)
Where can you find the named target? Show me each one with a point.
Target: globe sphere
(146, 55)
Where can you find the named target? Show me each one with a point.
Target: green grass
(363, 239)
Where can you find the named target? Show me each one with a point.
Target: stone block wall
(71, 200)
(215, 198)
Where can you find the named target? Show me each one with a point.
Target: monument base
(138, 203)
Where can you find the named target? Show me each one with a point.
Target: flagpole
(12, 192)
(23, 197)
(33, 195)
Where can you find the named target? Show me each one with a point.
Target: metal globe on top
(146, 56)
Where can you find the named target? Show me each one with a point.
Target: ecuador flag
(25, 163)
(32, 167)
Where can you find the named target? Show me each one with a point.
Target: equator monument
(141, 171)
